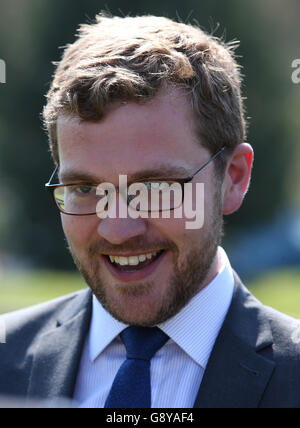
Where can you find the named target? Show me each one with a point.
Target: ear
(237, 178)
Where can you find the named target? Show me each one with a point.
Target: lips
(133, 263)
(128, 270)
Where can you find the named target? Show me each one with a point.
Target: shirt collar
(194, 329)
(104, 329)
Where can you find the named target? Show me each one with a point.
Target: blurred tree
(31, 32)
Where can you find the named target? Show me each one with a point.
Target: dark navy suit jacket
(255, 361)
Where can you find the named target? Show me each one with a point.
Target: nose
(119, 230)
(116, 229)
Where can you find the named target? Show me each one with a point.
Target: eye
(83, 189)
(154, 185)
(161, 186)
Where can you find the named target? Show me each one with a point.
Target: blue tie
(131, 387)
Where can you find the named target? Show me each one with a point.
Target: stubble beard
(185, 282)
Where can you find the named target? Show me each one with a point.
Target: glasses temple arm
(209, 160)
(52, 176)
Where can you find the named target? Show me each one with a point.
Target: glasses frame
(52, 187)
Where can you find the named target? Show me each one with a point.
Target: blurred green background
(262, 238)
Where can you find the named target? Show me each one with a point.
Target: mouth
(135, 267)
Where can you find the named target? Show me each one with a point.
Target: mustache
(134, 245)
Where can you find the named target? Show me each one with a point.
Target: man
(156, 102)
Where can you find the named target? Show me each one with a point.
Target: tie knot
(142, 343)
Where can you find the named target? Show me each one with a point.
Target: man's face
(135, 139)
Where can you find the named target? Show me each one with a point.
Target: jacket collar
(56, 355)
(237, 373)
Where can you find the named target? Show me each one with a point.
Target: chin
(135, 305)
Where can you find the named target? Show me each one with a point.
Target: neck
(215, 268)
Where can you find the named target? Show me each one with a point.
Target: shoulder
(285, 332)
(261, 324)
(27, 329)
(23, 325)
(273, 339)
(283, 390)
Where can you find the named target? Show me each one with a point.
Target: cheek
(184, 240)
(78, 230)
(175, 231)
(194, 216)
(170, 227)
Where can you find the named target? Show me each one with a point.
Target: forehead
(132, 137)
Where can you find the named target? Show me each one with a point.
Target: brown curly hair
(132, 59)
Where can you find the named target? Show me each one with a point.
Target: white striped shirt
(177, 368)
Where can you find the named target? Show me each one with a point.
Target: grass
(279, 289)
(25, 289)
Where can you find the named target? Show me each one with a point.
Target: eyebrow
(162, 171)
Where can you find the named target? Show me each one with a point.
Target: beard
(187, 278)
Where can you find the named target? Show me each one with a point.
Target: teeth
(132, 260)
(122, 261)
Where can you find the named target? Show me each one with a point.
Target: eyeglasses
(82, 199)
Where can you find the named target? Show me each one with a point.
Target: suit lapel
(56, 355)
(237, 374)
